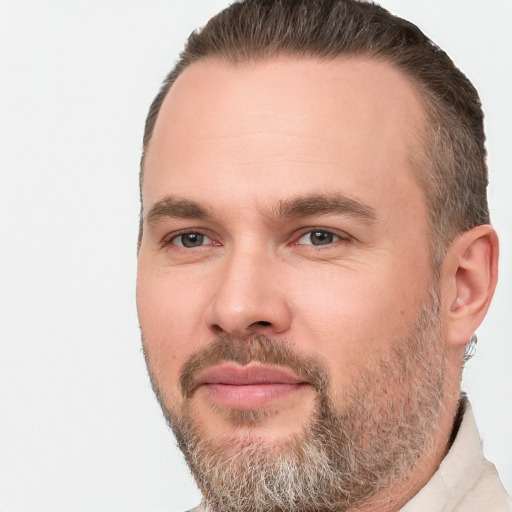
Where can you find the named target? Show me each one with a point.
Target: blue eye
(318, 237)
(191, 240)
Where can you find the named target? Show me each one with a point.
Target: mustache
(257, 348)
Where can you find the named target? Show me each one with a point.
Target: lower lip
(250, 396)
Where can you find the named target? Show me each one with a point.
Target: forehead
(285, 122)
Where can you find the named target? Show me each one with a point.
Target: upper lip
(251, 374)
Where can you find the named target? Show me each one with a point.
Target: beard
(343, 456)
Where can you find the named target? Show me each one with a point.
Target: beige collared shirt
(465, 481)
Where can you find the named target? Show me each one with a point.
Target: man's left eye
(318, 237)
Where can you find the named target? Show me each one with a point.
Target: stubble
(344, 455)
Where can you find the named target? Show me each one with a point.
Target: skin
(241, 140)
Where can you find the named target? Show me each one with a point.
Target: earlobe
(469, 275)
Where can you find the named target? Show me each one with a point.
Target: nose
(249, 297)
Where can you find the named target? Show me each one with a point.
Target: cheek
(170, 322)
(352, 319)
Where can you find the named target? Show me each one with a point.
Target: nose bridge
(248, 298)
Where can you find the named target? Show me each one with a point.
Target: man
(315, 257)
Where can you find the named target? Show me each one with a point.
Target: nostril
(261, 323)
(216, 329)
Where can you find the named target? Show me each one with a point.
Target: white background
(80, 430)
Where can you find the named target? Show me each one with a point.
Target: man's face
(284, 262)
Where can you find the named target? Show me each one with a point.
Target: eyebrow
(177, 208)
(302, 206)
(323, 204)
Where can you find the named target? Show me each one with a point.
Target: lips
(248, 387)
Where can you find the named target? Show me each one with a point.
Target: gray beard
(342, 458)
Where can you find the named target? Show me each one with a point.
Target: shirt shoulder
(488, 493)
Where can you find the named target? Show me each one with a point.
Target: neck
(395, 497)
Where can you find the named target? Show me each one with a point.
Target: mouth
(248, 387)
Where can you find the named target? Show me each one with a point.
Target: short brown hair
(452, 169)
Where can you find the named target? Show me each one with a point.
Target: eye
(318, 237)
(190, 240)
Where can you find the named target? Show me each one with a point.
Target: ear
(468, 275)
